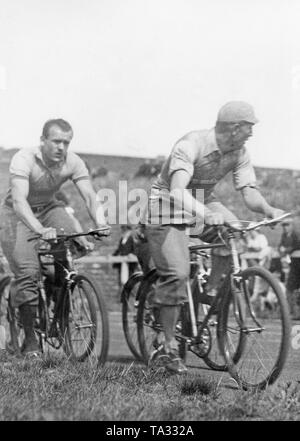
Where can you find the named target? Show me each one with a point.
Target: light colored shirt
(258, 243)
(44, 181)
(199, 155)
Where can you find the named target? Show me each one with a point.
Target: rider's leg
(169, 249)
(168, 318)
(28, 315)
(27, 275)
(220, 256)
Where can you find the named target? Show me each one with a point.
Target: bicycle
(252, 348)
(130, 301)
(71, 310)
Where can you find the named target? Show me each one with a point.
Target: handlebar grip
(37, 236)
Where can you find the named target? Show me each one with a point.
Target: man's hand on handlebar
(273, 213)
(105, 230)
(48, 233)
(213, 218)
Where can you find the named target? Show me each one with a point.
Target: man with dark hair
(198, 161)
(290, 246)
(61, 123)
(30, 208)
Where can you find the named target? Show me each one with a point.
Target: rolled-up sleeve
(79, 169)
(21, 165)
(243, 173)
(182, 157)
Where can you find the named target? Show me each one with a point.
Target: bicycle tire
(215, 359)
(257, 366)
(4, 295)
(147, 326)
(129, 301)
(184, 324)
(97, 325)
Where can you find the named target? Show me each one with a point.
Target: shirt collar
(211, 144)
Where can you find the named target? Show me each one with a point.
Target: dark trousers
(22, 254)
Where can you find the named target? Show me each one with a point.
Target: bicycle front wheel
(129, 300)
(213, 356)
(265, 332)
(85, 321)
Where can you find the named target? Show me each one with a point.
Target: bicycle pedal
(155, 353)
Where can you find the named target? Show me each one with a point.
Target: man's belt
(35, 209)
(39, 208)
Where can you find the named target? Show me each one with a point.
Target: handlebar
(237, 225)
(96, 233)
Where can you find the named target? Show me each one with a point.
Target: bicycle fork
(236, 280)
(192, 310)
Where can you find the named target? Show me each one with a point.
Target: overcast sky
(132, 76)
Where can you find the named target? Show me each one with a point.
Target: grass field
(57, 389)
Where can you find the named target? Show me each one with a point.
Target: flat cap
(237, 111)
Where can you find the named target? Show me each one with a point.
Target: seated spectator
(289, 246)
(278, 265)
(258, 243)
(126, 247)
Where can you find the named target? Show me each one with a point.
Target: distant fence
(101, 267)
(107, 259)
(132, 258)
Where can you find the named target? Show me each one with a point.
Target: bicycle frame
(195, 329)
(69, 273)
(232, 278)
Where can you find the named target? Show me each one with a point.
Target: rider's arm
(255, 201)
(245, 181)
(95, 208)
(20, 189)
(78, 229)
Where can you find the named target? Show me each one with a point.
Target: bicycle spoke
(265, 331)
(85, 322)
(129, 313)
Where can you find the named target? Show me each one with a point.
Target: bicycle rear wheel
(129, 300)
(4, 311)
(265, 335)
(147, 324)
(85, 321)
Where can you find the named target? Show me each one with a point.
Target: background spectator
(289, 246)
(126, 247)
(258, 243)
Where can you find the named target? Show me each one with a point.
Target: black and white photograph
(149, 213)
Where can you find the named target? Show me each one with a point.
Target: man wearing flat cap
(198, 161)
